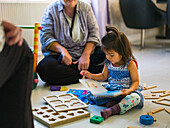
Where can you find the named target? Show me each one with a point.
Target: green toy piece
(96, 119)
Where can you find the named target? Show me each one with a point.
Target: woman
(69, 36)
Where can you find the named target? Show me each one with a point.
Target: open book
(97, 89)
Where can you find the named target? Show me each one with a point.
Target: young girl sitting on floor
(121, 69)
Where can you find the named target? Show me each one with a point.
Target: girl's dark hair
(117, 41)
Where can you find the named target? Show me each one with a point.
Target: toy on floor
(146, 88)
(81, 94)
(146, 120)
(155, 111)
(36, 28)
(96, 119)
(152, 95)
(47, 116)
(58, 88)
(167, 110)
(132, 127)
(64, 102)
(158, 101)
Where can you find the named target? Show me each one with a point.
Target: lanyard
(72, 23)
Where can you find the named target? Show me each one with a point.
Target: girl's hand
(86, 73)
(127, 91)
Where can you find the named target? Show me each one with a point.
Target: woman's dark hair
(117, 41)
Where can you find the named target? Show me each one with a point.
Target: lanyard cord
(72, 23)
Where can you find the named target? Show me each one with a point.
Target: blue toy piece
(146, 119)
(96, 119)
(81, 94)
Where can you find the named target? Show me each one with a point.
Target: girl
(121, 69)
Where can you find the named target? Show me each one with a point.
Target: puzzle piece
(96, 119)
(64, 102)
(47, 116)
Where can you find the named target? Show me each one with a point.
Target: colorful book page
(92, 85)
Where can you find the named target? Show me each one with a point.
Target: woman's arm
(66, 58)
(47, 35)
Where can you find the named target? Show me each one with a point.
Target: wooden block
(167, 110)
(150, 113)
(163, 95)
(64, 102)
(148, 94)
(47, 116)
(157, 110)
(151, 97)
(168, 91)
(150, 87)
(132, 127)
(144, 86)
(159, 91)
(158, 101)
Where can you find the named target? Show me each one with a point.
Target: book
(97, 89)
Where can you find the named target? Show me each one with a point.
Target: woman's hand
(83, 62)
(126, 92)
(67, 59)
(86, 74)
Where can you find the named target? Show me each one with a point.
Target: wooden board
(64, 102)
(47, 116)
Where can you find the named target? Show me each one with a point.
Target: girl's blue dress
(119, 79)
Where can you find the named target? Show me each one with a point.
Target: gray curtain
(101, 12)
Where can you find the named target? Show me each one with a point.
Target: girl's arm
(134, 77)
(100, 76)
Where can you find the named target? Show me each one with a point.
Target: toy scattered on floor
(151, 114)
(152, 95)
(96, 119)
(158, 91)
(158, 101)
(81, 94)
(132, 127)
(167, 110)
(58, 88)
(146, 119)
(47, 116)
(146, 88)
(155, 111)
(64, 102)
